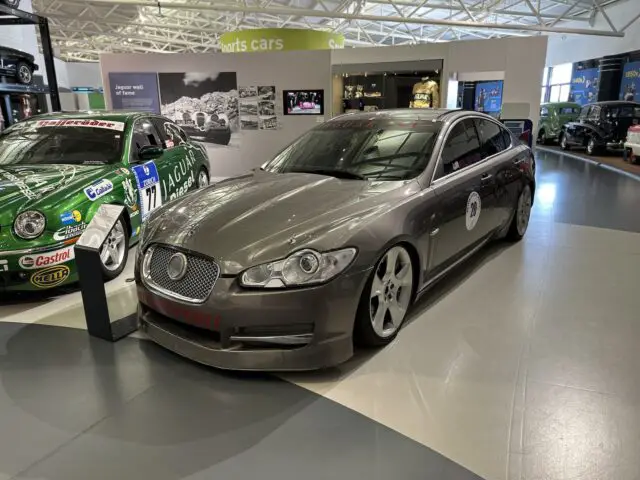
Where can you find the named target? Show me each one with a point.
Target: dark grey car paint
(264, 216)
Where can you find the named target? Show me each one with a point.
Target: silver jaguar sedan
(328, 244)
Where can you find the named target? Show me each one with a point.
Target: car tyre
(24, 74)
(521, 215)
(115, 251)
(202, 180)
(385, 299)
(592, 148)
(542, 137)
(564, 144)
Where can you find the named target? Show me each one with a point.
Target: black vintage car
(11, 3)
(601, 126)
(17, 65)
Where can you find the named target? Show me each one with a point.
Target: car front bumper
(238, 329)
(615, 146)
(14, 278)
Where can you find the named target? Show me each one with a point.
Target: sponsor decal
(70, 231)
(123, 171)
(69, 218)
(474, 205)
(181, 178)
(98, 189)
(129, 192)
(4, 265)
(50, 277)
(79, 122)
(148, 180)
(30, 262)
(21, 184)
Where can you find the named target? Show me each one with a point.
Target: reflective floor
(520, 365)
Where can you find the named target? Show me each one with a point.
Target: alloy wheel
(391, 292)
(203, 179)
(524, 210)
(24, 74)
(113, 251)
(591, 146)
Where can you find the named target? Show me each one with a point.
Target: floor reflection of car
(213, 127)
(601, 126)
(330, 241)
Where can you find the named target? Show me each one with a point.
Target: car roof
(406, 114)
(560, 104)
(611, 103)
(109, 115)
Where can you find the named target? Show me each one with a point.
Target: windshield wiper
(329, 172)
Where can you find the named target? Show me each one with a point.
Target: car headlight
(29, 225)
(304, 267)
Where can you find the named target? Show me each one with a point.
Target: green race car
(57, 169)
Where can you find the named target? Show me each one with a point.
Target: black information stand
(13, 16)
(94, 295)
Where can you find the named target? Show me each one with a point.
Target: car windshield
(64, 141)
(361, 149)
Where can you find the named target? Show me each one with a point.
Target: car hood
(41, 186)
(262, 217)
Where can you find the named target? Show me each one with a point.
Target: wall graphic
(584, 86)
(134, 91)
(205, 105)
(489, 96)
(630, 85)
(258, 108)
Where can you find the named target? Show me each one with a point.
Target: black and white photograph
(268, 122)
(248, 92)
(267, 93)
(204, 105)
(266, 108)
(247, 108)
(249, 122)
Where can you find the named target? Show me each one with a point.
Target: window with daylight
(559, 82)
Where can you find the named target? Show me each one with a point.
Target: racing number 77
(151, 196)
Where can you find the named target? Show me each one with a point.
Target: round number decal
(474, 204)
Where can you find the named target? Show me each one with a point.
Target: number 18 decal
(148, 181)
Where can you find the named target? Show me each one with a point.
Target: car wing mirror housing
(150, 152)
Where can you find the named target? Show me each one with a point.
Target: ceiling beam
(303, 12)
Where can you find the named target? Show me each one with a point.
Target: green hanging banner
(278, 40)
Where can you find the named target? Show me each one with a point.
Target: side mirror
(150, 152)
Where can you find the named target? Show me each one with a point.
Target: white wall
(284, 70)
(576, 48)
(84, 74)
(519, 61)
(22, 37)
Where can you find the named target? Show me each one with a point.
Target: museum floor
(521, 365)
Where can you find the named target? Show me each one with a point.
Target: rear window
(623, 111)
(62, 141)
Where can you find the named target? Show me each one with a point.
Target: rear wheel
(385, 299)
(520, 221)
(115, 251)
(203, 178)
(24, 74)
(563, 142)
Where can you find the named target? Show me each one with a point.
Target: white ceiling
(82, 29)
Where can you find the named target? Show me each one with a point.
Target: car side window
(144, 133)
(491, 139)
(594, 113)
(461, 148)
(169, 132)
(507, 138)
(584, 113)
(544, 112)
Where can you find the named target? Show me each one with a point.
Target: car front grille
(196, 285)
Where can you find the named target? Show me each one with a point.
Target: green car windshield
(375, 150)
(61, 142)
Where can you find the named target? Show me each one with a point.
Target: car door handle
(486, 178)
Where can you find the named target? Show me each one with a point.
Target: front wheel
(520, 221)
(563, 142)
(202, 179)
(115, 251)
(542, 137)
(592, 147)
(385, 299)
